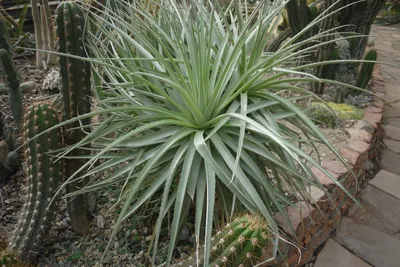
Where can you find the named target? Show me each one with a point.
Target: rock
(138, 256)
(184, 233)
(100, 222)
(364, 125)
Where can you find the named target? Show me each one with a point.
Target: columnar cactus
(75, 92)
(324, 52)
(12, 79)
(366, 69)
(238, 244)
(44, 176)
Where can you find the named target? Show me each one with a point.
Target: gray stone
(392, 132)
(388, 182)
(333, 254)
(392, 145)
(373, 246)
(392, 90)
(391, 111)
(390, 161)
(394, 120)
(364, 125)
(184, 233)
(379, 210)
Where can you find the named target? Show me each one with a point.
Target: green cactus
(11, 77)
(324, 52)
(238, 244)
(4, 40)
(366, 70)
(43, 177)
(76, 99)
(299, 15)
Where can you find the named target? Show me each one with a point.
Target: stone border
(315, 220)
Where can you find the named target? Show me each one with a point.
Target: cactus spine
(238, 244)
(12, 79)
(76, 92)
(366, 69)
(43, 178)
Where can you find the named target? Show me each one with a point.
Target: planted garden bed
(66, 248)
(189, 132)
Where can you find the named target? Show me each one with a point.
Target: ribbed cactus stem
(324, 52)
(44, 176)
(76, 99)
(298, 15)
(12, 79)
(366, 69)
(238, 244)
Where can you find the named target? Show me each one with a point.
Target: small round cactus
(239, 243)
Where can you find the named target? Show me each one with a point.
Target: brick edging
(315, 221)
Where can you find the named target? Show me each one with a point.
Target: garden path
(371, 237)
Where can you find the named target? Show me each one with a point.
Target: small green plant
(12, 79)
(331, 114)
(43, 178)
(322, 115)
(75, 97)
(366, 69)
(239, 243)
(4, 38)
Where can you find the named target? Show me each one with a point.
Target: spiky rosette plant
(44, 176)
(195, 108)
(75, 97)
(239, 243)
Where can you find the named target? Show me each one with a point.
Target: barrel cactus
(75, 76)
(239, 243)
(43, 177)
(366, 69)
(12, 79)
